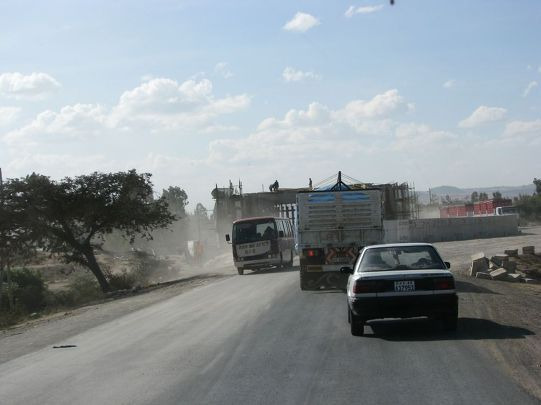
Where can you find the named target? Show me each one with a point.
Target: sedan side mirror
(447, 264)
(346, 270)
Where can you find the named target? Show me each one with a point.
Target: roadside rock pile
(510, 266)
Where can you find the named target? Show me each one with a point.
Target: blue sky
(200, 92)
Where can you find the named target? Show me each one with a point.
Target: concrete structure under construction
(399, 203)
(401, 222)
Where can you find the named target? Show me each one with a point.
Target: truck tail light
(364, 286)
(445, 283)
(312, 252)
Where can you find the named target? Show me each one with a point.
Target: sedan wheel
(356, 325)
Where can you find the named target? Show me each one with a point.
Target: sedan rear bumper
(404, 306)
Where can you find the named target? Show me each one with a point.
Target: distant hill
(457, 193)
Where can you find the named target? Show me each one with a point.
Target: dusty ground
(512, 310)
(35, 334)
(46, 330)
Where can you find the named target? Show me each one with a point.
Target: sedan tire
(356, 325)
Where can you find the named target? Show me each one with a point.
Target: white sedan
(400, 280)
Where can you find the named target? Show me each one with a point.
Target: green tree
(474, 196)
(529, 207)
(483, 196)
(537, 183)
(15, 239)
(177, 199)
(200, 211)
(497, 195)
(70, 216)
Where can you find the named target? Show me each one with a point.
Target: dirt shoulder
(510, 312)
(510, 317)
(48, 330)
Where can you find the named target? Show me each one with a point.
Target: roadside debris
(479, 264)
(483, 274)
(510, 266)
(499, 274)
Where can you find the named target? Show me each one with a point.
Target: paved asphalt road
(257, 339)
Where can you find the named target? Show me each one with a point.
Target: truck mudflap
(322, 280)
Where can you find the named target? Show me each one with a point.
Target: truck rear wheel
(240, 271)
(304, 287)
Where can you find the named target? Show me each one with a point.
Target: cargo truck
(333, 225)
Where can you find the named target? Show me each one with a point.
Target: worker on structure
(310, 183)
(274, 186)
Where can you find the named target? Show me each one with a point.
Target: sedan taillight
(362, 287)
(445, 283)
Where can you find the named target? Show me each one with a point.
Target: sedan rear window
(401, 258)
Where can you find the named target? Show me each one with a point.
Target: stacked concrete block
(484, 275)
(498, 260)
(479, 263)
(499, 274)
(511, 267)
(511, 252)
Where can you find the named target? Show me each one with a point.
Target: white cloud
(357, 116)
(301, 22)
(8, 115)
(483, 115)
(516, 128)
(318, 133)
(352, 10)
(364, 138)
(532, 85)
(449, 84)
(316, 115)
(291, 75)
(165, 104)
(72, 121)
(60, 165)
(32, 86)
(159, 105)
(222, 69)
(379, 106)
